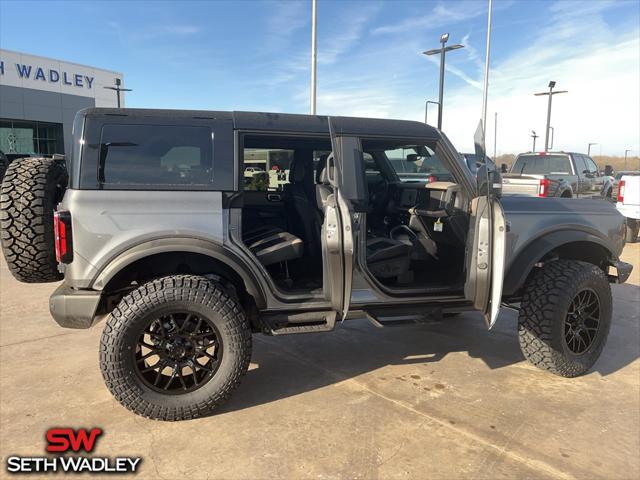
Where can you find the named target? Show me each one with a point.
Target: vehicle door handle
(274, 197)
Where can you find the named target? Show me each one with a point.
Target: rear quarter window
(165, 156)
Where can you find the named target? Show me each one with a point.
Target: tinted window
(541, 164)
(581, 166)
(591, 166)
(162, 155)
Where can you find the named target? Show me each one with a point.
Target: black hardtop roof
(284, 122)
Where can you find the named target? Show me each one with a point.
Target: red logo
(65, 439)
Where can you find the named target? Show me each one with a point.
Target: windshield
(542, 164)
(417, 163)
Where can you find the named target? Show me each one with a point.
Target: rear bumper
(72, 308)
(621, 273)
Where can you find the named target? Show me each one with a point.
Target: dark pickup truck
(556, 174)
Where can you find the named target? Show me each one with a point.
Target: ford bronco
(157, 227)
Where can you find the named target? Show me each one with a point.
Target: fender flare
(187, 245)
(565, 187)
(531, 253)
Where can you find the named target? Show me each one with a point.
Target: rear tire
(556, 333)
(30, 192)
(170, 314)
(631, 231)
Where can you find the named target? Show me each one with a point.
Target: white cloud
(575, 47)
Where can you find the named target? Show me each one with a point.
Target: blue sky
(254, 55)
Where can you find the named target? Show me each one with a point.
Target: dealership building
(40, 96)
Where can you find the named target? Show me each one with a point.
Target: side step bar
(380, 320)
(308, 322)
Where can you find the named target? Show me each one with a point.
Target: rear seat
(276, 248)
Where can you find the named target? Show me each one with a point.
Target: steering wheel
(379, 194)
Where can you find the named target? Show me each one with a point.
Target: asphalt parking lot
(445, 400)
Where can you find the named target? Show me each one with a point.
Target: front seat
(386, 257)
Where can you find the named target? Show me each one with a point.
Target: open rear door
(338, 246)
(486, 242)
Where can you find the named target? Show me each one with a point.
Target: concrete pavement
(446, 400)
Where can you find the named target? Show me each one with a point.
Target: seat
(388, 258)
(305, 220)
(258, 233)
(323, 187)
(277, 248)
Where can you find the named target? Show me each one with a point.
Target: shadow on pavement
(295, 364)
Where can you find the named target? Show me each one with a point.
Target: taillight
(620, 198)
(543, 190)
(432, 178)
(62, 232)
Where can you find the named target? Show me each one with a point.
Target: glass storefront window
(19, 136)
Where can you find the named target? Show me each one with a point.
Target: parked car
(628, 202)
(556, 174)
(187, 265)
(251, 171)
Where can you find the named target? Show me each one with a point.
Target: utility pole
(314, 54)
(589, 148)
(534, 136)
(118, 89)
(625, 158)
(550, 93)
(442, 50)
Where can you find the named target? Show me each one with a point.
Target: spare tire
(31, 189)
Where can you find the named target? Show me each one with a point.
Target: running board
(308, 322)
(380, 320)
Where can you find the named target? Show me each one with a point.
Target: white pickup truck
(628, 202)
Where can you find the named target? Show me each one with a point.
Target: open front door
(338, 243)
(486, 242)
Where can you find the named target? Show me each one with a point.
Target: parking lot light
(550, 93)
(442, 50)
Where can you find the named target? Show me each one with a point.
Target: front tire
(175, 348)
(565, 317)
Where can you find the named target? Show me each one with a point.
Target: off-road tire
(192, 293)
(31, 190)
(631, 230)
(547, 297)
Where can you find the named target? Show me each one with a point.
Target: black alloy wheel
(582, 321)
(178, 353)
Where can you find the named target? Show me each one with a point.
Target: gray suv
(161, 231)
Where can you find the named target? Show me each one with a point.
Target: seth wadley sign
(41, 73)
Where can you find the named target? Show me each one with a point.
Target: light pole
(495, 135)
(314, 54)
(550, 93)
(625, 158)
(534, 136)
(442, 50)
(553, 137)
(589, 148)
(426, 106)
(118, 89)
